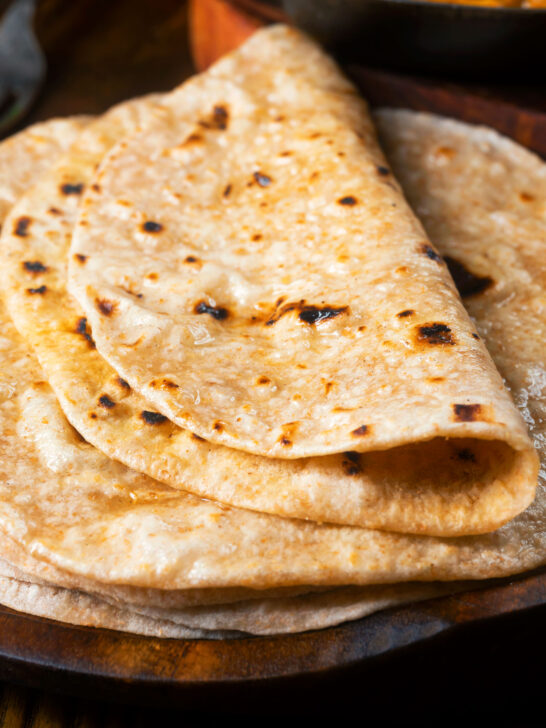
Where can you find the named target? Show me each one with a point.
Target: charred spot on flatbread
(80, 258)
(152, 418)
(436, 334)
(227, 190)
(361, 431)
(220, 116)
(197, 437)
(288, 433)
(348, 200)
(151, 226)
(316, 314)
(21, 226)
(308, 313)
(382, 170)
(467, 412)
(351, 463)
(405, 313)
(466, 454)
(468, 283)
(191, 259)
(106, 307)
(262, 179)
(34, 266)
(429, 251)
(217, 312)
(163, 384)
(106, 402)
(69, 188)
(123, 384)
(40, 291)
(81, 328)
(218, 119)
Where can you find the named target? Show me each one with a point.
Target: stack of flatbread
(258, 377)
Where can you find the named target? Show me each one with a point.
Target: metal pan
(458, 41)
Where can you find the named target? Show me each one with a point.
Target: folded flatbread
(249, 265)
(425, 486)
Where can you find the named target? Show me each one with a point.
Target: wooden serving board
(138, 46)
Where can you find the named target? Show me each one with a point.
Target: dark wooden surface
(101, 52)
(482, 671)
(419, 659)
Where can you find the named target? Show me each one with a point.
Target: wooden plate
(108, 664)
(144, 42)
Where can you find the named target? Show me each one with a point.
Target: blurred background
(477, 62)
(102, 51)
